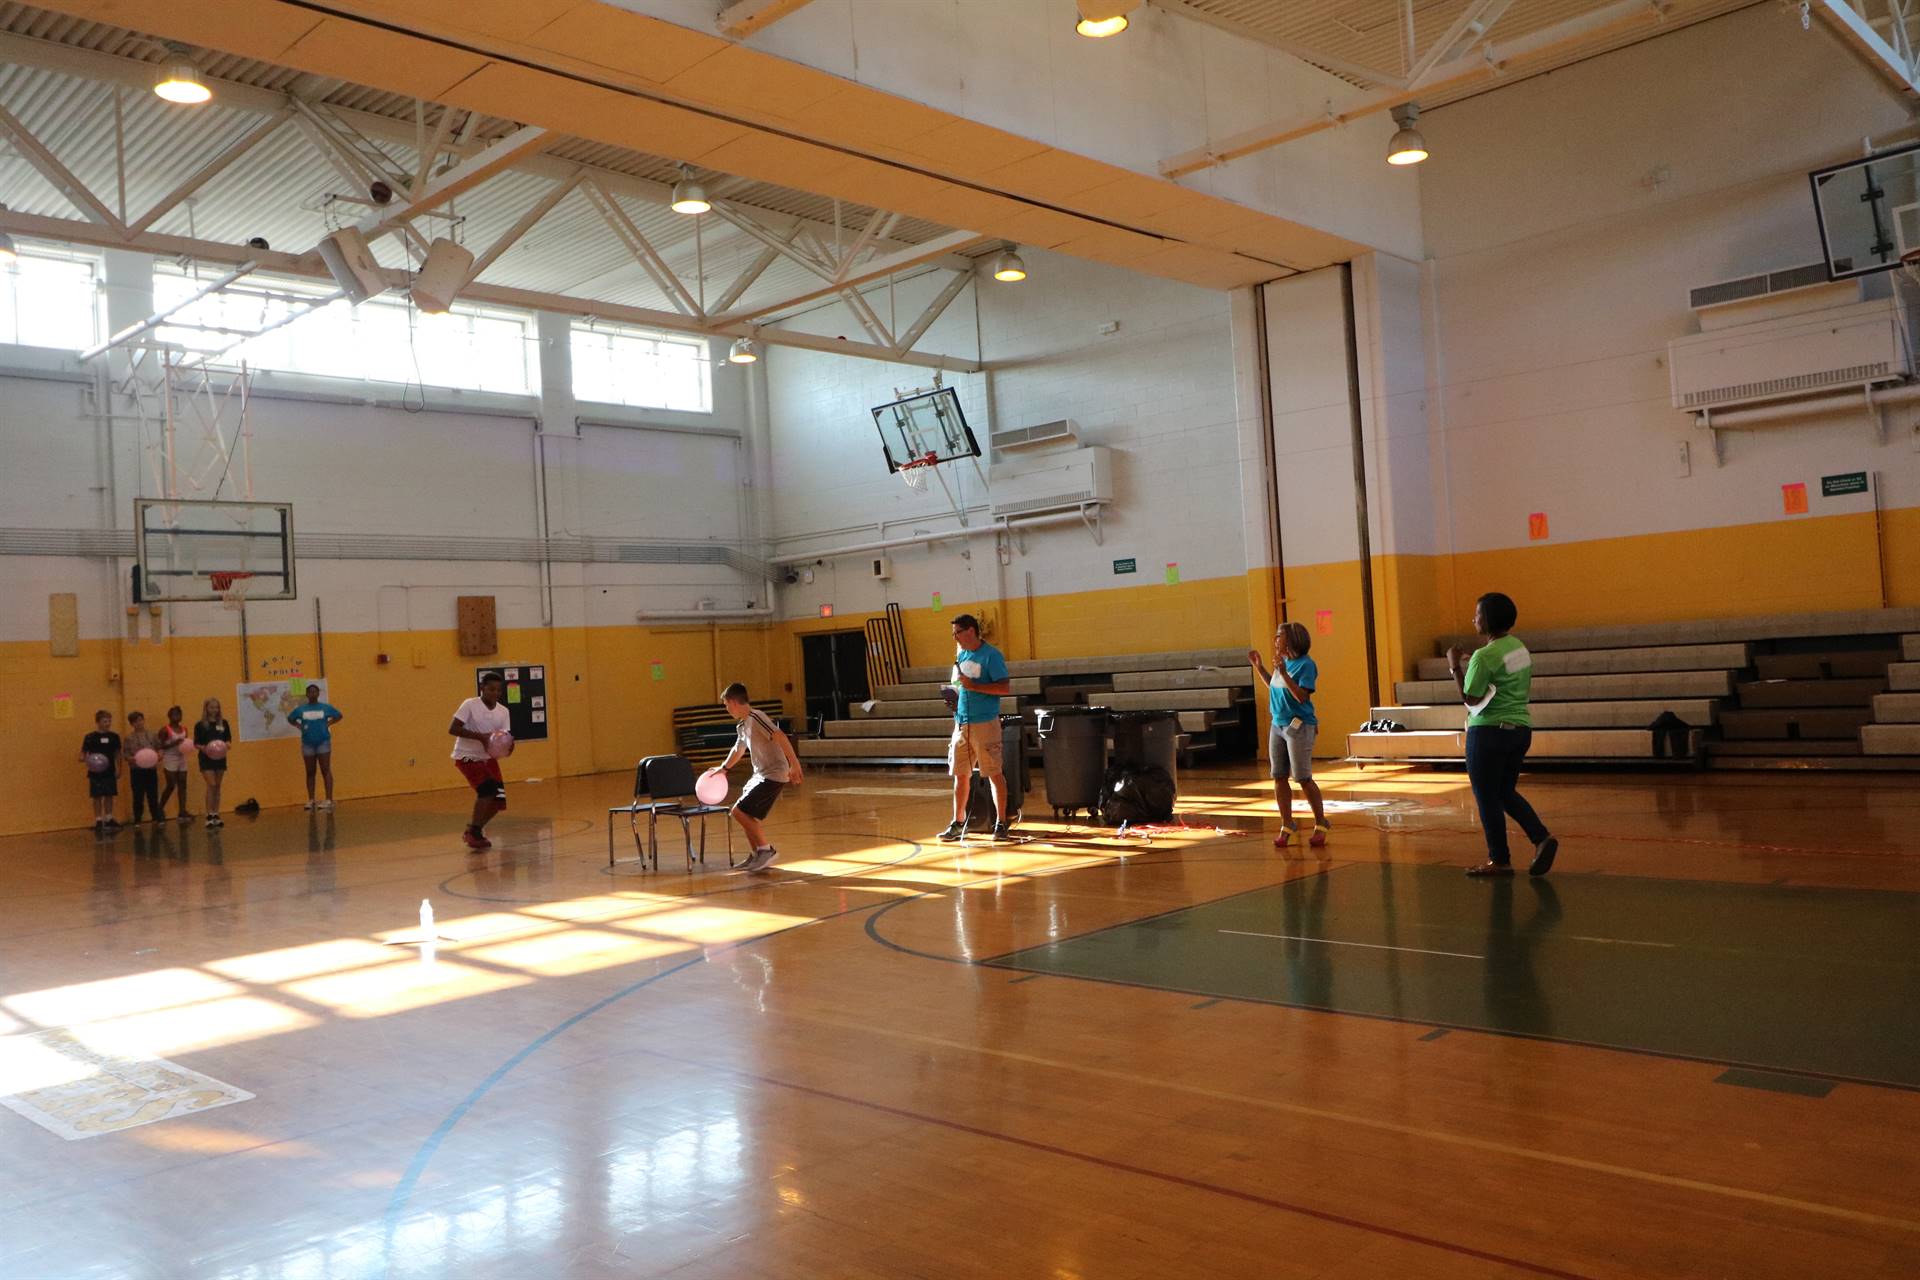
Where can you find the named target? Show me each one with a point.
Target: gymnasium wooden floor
(1694, 1051)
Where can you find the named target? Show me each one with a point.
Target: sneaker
(474, 840)
(184, 818)
(1287, 832)
(954, 831)
(761, 859)
(1318, 840)
(1491, 870)
(215, 820)
(309, 806)
(1543, 856)
(326, 804)
(1002, 831)
(113, 824)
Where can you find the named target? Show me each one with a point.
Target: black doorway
(833, 668)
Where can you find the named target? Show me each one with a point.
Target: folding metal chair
(666, 783)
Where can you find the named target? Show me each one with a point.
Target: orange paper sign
(1793, 497)
(1323, 621)
(1537, 526)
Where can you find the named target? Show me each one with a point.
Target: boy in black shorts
(103, 784)
(775, 767)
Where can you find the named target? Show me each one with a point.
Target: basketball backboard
(1869, 211)
(922, 426)
(198, 552)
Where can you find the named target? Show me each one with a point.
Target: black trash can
(1145, 738)
(1073, 752)
(1013, 763)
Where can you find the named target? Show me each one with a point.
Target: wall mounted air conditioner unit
(1835, 348)
(1043, 435)
(1055, 482)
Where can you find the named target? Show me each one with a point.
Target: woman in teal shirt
(316, 720)
(1295, 727)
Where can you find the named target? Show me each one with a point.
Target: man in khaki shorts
(980, 681)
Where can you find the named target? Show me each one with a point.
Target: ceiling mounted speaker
(351, 264)
(442, 276)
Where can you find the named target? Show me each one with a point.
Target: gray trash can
(1145, 738)
(1073, 751)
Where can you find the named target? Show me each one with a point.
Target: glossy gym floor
(1694, 1050)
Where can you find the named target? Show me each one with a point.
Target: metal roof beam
(642, 249)
(1884, 55)
(1487, 61)
(1325, 61)
(212, 169)
(463, 177)
(875, 269)
(933, 310)
(308, 266)
(35, 153)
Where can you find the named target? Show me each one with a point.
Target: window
(50, 299)
(383, 339)
(617, 365)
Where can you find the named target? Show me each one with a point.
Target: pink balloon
(216, 750)
(146, 757)
(499, 743)
(711, 788)
(97, 763)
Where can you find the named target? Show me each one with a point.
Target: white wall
(1568, 215)
(1167, 85)
(1159, 391)
(368, 468)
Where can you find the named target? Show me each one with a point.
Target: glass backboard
(194, 552)
(1869, 211)
(927, 425)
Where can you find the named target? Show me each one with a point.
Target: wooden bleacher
(705, 733)
(1757, 692)
(1211, 689)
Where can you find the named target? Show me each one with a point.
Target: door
(834, 672)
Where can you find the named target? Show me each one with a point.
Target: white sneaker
(309, 806)
(761, 859)
(326, 804)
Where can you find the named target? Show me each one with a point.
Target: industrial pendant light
(743, 352)
(178, 80)
(689, 196)
(1008, 267)
(1100, 18)
(1407, 147)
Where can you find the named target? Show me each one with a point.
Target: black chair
(664, 784)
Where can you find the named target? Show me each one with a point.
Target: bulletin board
(525, 698)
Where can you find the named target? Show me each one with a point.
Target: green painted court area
(1816, 981)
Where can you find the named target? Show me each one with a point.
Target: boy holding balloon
(143, 767)
(100, 752)
(775, 768)
(481, 731)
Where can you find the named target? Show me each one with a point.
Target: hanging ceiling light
(178, 80)
(1008, 267)
(1103, 17)
(743, 352)
(688, 195)
(1407, 147)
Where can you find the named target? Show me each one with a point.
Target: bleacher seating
(1755, 692)
(907, 723)
(705, 733)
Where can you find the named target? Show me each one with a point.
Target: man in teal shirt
(980, 681)
(1495, 683)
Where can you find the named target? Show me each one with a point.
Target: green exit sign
(1849, 482)
(1126, 566)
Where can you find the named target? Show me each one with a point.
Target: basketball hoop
(231, 588)
(916, 470)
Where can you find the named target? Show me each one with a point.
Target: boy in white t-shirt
(775, 768)
(477, 720)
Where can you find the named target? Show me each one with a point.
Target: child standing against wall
(103, 779)
(143, 779)
(212, 727)
(173, 760)
(1295, 727)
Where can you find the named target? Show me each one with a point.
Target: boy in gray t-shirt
(775, 767)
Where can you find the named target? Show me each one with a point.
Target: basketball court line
(1335, 942)
(1167, 1083)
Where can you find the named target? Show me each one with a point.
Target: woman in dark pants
(1495, 682)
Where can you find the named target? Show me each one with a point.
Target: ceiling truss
(1881, 32)
(451, 160)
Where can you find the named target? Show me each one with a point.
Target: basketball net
(916, 470)
(232, 588)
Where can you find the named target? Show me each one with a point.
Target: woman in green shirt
(1495, 682)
